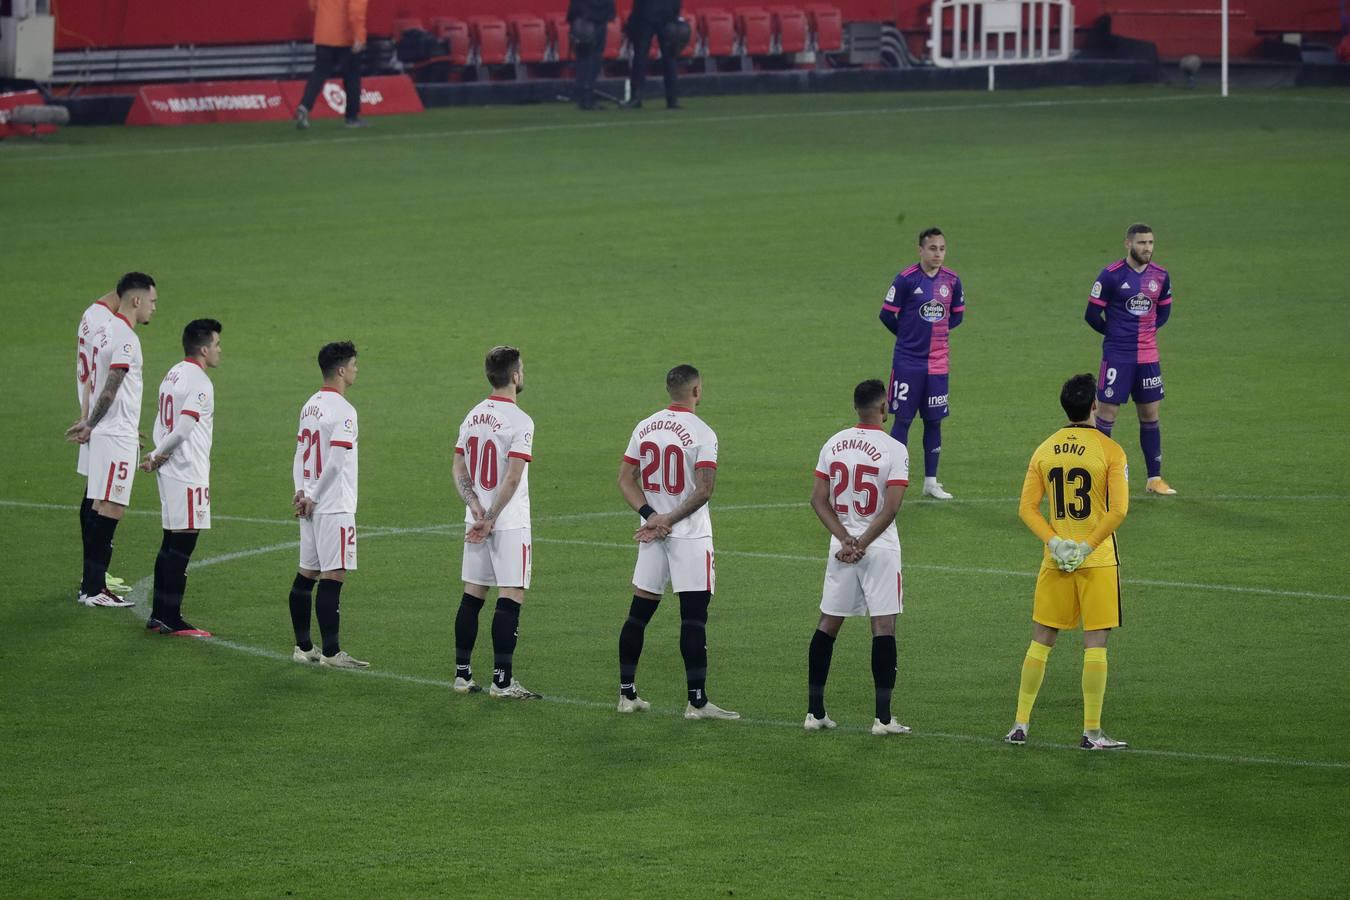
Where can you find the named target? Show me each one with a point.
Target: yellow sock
(1033, 672)
(1094, 687)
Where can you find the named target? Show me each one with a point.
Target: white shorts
(686, 564)
(112, 468)
(503, 560)
(184, 506)
(328, 542)
(82, 461)
(872, 586)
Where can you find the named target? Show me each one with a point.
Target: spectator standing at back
(589, 23)
(659, 19)
(339, 39)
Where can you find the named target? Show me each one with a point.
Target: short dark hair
(501, 364)
(134, 281)
(868, 393)
(1137, 228)
(680, 379)
(334, 356)
(1076, 396)
(929, 232)
(197, 335)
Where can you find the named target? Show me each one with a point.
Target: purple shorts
(913, 392)
(1121, 379)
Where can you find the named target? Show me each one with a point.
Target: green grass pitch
(755, 238)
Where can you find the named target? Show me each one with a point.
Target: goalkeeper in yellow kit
(1084, 475)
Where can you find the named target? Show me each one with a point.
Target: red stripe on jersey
(1115, 265)
(1165, 302)
(195, 362)
(331, 390)
(675, 408)
(911, 270)
(868, 427)
(1096, 302)
(191, 520)
(518, 455)
(112, 469)
(708, 568)
(628, 459)
(188, 412)
(120, 316)
(107, 306)
(340, 444)
(820, 474)
(459, 450)
(120, 366)
(889, 308)
(503, 399)
(898, 481)
(961, 308)
(706, 464)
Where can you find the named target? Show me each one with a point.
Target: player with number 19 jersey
(667, 448)
(494, 432)
(185, 477)
(859, 463)
(328, 537)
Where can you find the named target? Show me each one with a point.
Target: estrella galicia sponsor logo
(933, 311)
(1139, 304)
(1154, 381)
(937, 400)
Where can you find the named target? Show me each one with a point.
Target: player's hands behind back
(1068, 555)
(851, 551)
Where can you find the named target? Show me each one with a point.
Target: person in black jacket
(659, 19)
(589, 21)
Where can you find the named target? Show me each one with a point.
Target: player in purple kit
(924, 303)
(1131, 300)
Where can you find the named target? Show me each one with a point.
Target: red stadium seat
(719, 31)
(400, 25)
(560, 34)
(489, 36)
(755, 27)
(789, 25)
(614, 40)
(827, 28)
(456, 32)
(528, 36)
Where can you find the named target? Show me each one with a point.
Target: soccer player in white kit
(94, 318)
(861, 476)
(492, 474)
(111, 429)
(667, 476)
(324, 472)
(184, 423)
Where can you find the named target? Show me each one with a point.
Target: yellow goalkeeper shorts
(1090, 595)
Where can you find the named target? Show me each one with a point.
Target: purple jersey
(1129, 307)
(919, 310)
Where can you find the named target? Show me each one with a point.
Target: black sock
(161, 577)
(327, 609)
(505, 627)
(101, 532)
(694, 644)
(817, 671)
(883, 673)
(302, 590)
(181, 545)
(630, 643)
(86, 519)
(466, 634)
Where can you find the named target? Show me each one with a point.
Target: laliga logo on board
(336, 98)
(932, 311)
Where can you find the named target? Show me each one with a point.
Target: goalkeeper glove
(1068, 555)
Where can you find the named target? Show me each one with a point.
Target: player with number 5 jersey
(667, 476)
(324, 470)
(492, 475)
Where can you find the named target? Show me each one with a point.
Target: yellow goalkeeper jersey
(1083, 474)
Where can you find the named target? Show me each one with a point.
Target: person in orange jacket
(339, 38)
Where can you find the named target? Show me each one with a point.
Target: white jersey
(859, 463)
(95, 318)
(115, 346)
(493, 432)
(187, 391)
(327, 420)
(668, 447)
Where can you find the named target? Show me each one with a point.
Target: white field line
(626, 122)
(749, 554)
(140, 590)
